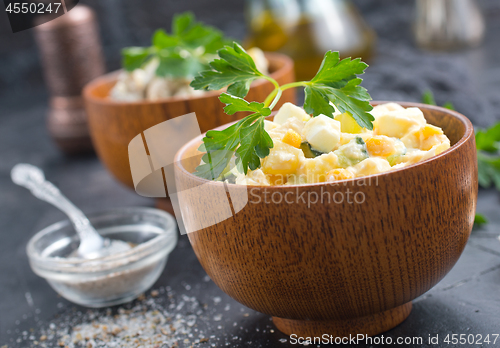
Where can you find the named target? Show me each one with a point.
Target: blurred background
(399, 69)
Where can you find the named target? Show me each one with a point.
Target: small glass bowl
(113, 279)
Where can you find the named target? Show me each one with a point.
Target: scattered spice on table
(160, 319)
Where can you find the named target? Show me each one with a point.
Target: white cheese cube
(316, 169)
(419, 155)
(322, 132)
(158, 88)
(397, 123)
(384, 108)
(280, 131)
(268, 125)
(289, 110)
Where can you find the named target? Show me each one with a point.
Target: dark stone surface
(466, 301)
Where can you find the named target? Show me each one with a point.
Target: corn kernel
(430, 130)
(278, 179)
(292, 138)
(283, 159)
(424, 138)
(429, 142)
(339, 174)
(397, 123)
(315, 169)
(379, 146)
(348, 124)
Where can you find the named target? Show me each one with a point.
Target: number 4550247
(471, 339)
(27, 7)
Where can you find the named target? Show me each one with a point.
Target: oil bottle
(306, 29)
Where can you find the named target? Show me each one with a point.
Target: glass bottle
(306, 29)
(448, 24)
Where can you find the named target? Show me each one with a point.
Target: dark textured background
(399, 72)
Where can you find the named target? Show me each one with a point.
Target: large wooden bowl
(337, 268)
(113, 124)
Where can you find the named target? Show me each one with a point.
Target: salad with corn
(321, 149)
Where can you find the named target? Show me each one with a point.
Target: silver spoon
(92, 245)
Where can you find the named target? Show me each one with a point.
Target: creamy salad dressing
(322, 149)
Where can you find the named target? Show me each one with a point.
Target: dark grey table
(466, 301)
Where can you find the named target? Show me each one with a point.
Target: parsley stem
(270, 79)
(270, 97)
(294, 84)
(276, 94)
(273, 94)
(275, 100)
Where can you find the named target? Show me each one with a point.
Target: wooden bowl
(113, 124)
(336, 268)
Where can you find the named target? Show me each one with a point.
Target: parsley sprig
(336, 84)
(488, 161)
(488, 154)
(487, 145)
(183, 53)
(254, 142)
(428, 98)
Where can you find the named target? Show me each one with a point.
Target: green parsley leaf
(488, 170)
(428, 98)
(162, 40)
(219, 147)
(336, 83)
(236, 104)
(350, 98)
(333, 69)
(449, 105)
(317, 101)
(247, 138)
(255, 144)
(134, 57)
(240, 88)
(193, 34)
(184, 53)
(488, 159)
(487, 140)
(355, 100)
(253, 139)
(173, 65)
(238, 58)
(182, 22)
(235, 69)
(214, 164)
(480, 220)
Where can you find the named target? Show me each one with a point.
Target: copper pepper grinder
(71, 54)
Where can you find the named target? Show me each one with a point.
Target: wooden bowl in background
(113, 124)
(337, 268)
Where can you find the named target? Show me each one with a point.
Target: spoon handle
(33, 179)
